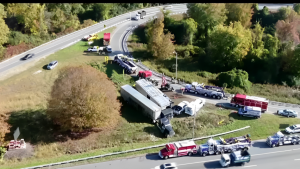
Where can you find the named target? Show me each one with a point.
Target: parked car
(287, 112)
(293, 129)
(52, 65)
(109, 49)
(167, 166)
(178, 109)
(28, 56)
(250, 111)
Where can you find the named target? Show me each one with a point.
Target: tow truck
(279, 139)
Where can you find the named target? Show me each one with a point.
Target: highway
(262, 157)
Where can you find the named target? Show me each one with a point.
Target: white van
(250, 111)
(193, 107)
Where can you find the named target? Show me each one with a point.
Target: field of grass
(189, 70)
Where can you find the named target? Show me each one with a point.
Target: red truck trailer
(240, 100)
(177, 149)
(106, 39)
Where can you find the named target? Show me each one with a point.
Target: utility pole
(176, 65)
(194, 122)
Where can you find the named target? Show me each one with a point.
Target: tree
(288, 29)
(283, 13)
(257, 48)
(296, 8)
(102, 10)
(4, 33)
(83, 98)
(228, 45)
(159, 44)
(241, 12)
(31, 15)
(271, 43)
(191, 28)
(207, 15)
(235, 78)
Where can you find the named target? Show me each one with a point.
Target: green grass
(190, 70)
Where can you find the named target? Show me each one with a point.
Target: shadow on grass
(34, 126)
(139, 34)
(154, 130)
(45, 67)
(237, 117)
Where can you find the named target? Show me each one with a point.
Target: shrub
(87, 23)
(82, 98)
(235, 78)
(204, 74)
(14, 50)
(4, 128)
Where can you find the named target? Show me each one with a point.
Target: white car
(93, 49)
(167, 166)
(52, 65)
(287, 112)
(109, 49)
(293, 129)
(178, 109)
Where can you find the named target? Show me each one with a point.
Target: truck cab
(279, 139)
(177, 149)
(165, 126)
(238, 157)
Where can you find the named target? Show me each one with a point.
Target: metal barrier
(128, 151)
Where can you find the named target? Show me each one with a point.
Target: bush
(83, 98)
(205, 74)
(14, 50)
(235, 78)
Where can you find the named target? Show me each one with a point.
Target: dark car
(28, 56)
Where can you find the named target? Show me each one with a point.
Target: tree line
(26, 25)
(225, 37)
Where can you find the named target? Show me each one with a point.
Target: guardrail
(129, 151)
(182, 83)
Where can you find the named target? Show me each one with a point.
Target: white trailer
(152, 93)
(140, 102)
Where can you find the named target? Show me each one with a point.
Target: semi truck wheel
(217, 152)
(273, 145)
(204, 154)
(237, 106)
(214, 96)
(205, 94)
(242, 164)
(190, 154)
(219, 97)
(196, 92)
(166, 157)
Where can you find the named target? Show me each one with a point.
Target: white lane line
(272, 152)
(250, 166)
(297, 159)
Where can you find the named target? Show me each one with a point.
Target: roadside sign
(16, 133)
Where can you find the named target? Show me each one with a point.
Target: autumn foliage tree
(159, 44)
(241, 12)
(83, 98)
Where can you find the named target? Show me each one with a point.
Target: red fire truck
(177, 149)
(145, 74)
(240, 100)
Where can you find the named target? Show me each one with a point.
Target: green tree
(82, 98)
(296, 8)
(4, 33)
(159, 44)
(241, 12)
(207, 15)
(191, 28)
(102, 10)
(31, 15)
(235, 78)
(283, 13)
(257, 47)
(228, 45)
(271, 43)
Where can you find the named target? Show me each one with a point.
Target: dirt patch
(177, 97)
(20, 153)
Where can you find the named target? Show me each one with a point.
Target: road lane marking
(250, 166)
(272, 152)
(297, 159)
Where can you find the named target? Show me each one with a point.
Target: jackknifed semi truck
(149, 109)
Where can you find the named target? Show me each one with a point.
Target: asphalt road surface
(262, 157)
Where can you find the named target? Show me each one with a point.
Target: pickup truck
(93, 49)
(238, 157)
